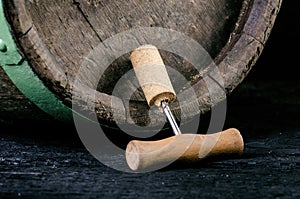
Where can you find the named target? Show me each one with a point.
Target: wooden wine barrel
(57, 37)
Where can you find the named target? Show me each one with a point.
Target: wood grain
(153, 155)
(56, 36)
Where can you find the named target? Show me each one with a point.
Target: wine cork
(152, 75)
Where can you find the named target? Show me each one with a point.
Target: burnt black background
(47, 160)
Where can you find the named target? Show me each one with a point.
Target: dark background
(279, 60)
(269, 97)
(48, 160)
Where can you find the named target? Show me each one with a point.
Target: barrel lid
(234, 33)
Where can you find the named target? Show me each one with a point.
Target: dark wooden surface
(269, 168)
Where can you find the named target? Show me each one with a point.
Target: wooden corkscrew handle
(148, 155)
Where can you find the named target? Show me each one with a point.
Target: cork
(152, 75)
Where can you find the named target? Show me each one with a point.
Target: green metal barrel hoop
(21, 74)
